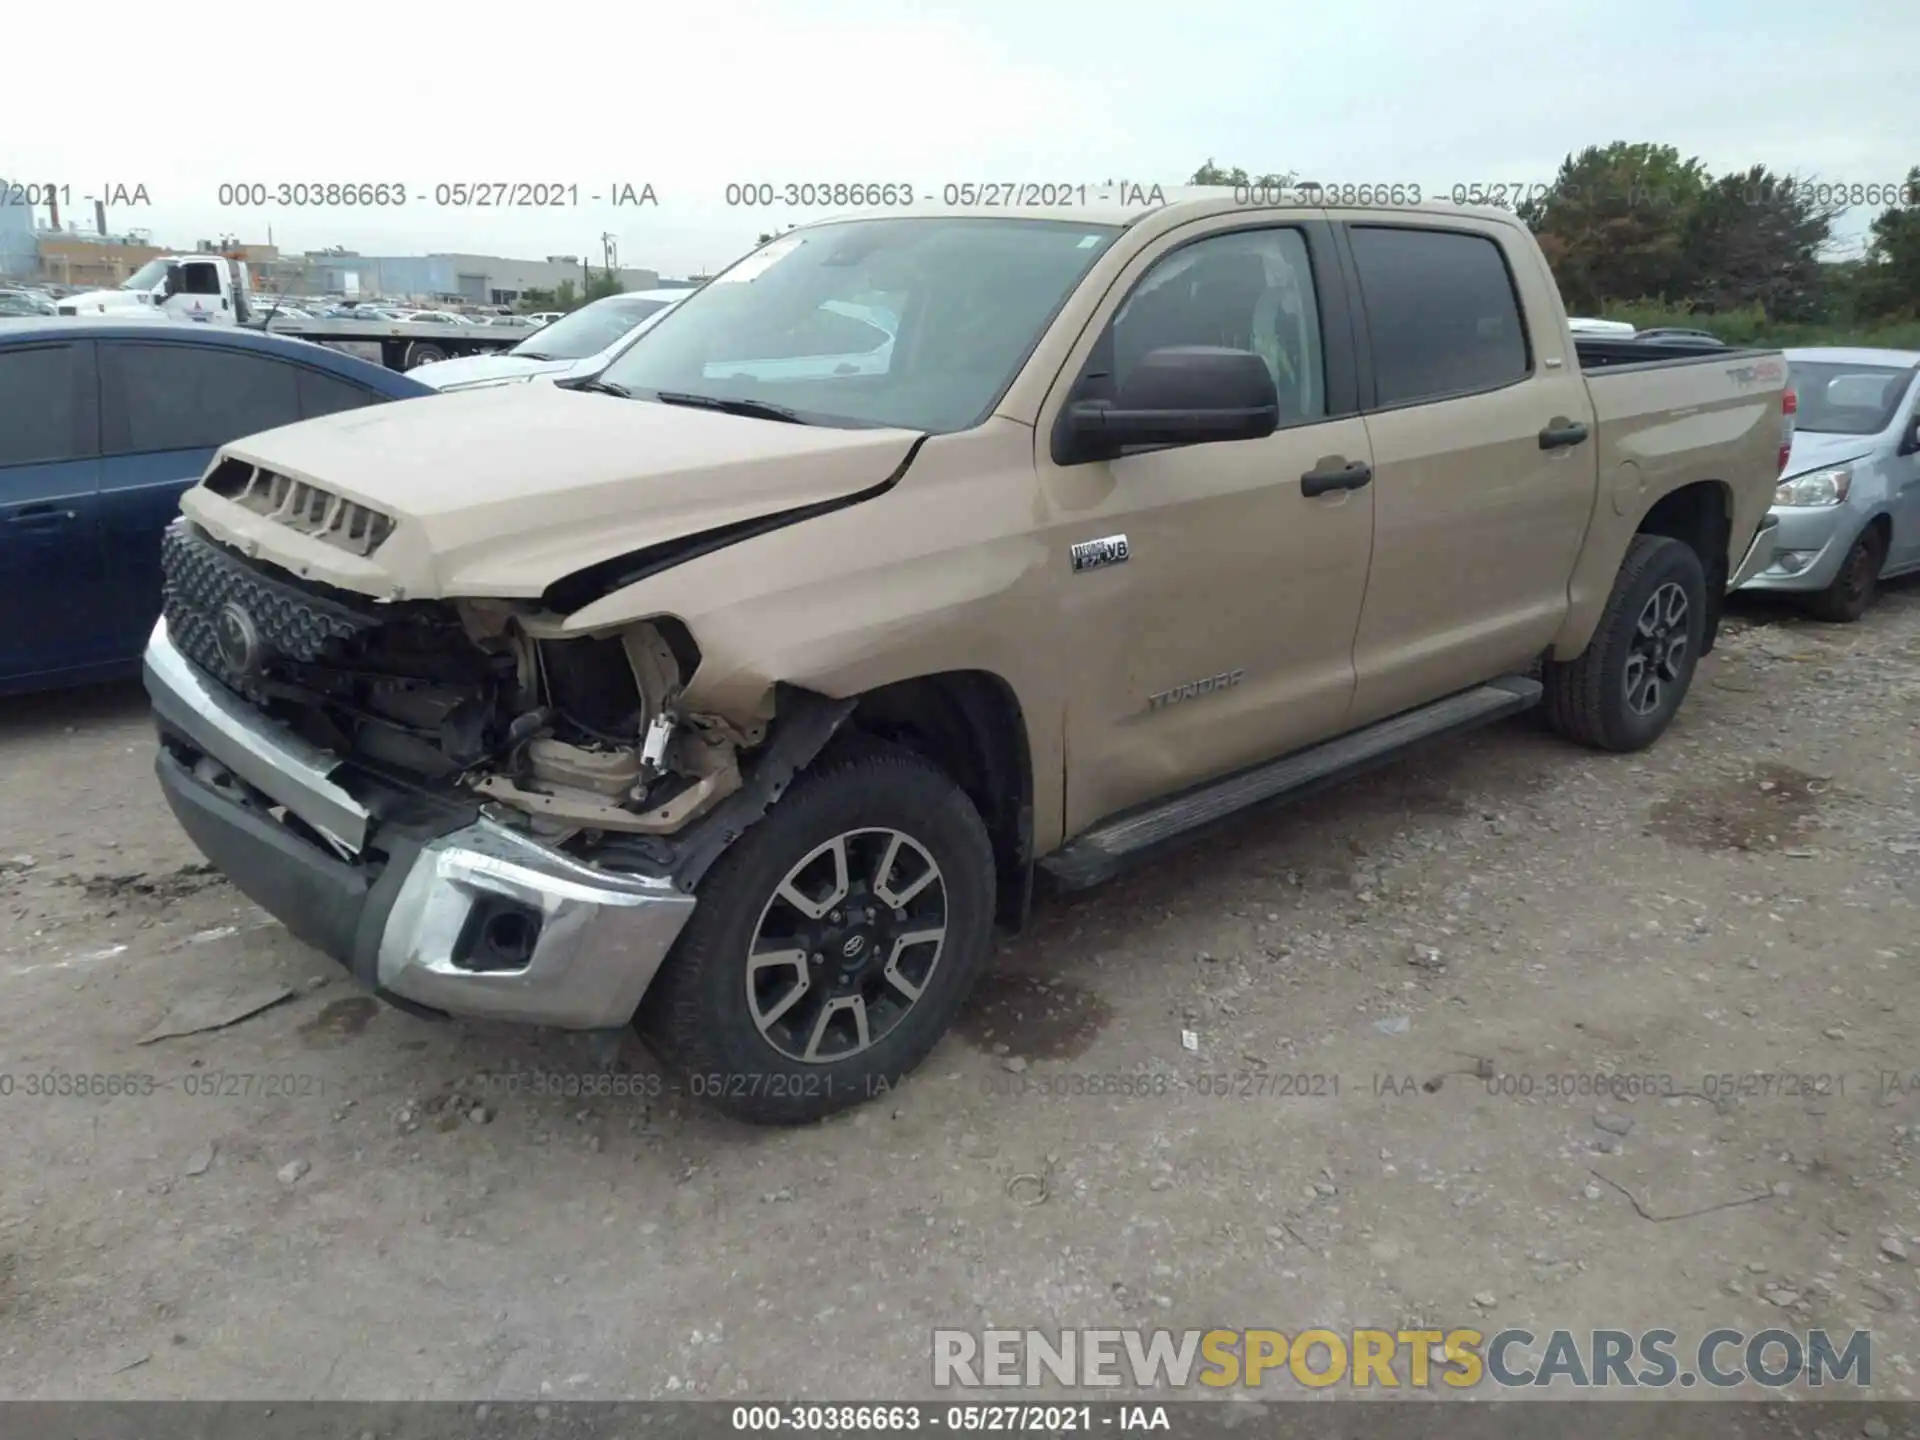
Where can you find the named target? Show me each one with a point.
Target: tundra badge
(1193, 689)
(1093, 554)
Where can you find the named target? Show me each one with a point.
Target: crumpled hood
(501, 492)
(1819, 449)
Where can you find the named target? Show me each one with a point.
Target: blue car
(103, 424)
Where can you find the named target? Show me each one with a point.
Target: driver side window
(1248, 290)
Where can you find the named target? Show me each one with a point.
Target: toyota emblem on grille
(241, 649)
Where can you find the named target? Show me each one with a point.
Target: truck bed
(1605, 352)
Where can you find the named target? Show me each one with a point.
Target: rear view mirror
(1178, 395)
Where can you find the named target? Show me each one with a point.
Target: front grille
(332, 519)
(203, 579)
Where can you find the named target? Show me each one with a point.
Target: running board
(1132, 835)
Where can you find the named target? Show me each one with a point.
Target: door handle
(41, 517)
(1560, 432)
(1336, 477)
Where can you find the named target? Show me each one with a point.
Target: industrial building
(18, 253)
(479, 279)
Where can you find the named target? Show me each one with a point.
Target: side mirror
(1178, 395)
(1910, 442)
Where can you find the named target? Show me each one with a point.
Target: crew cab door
(53, 584)
(1219, 630)
(1485, 468)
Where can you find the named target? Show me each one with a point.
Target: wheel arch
(1699, 514)
(970, 724)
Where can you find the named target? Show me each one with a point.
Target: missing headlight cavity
(591, 685)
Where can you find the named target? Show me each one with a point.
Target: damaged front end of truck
(474, 808)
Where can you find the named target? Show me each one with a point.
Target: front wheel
(832, 946)
(420, 352)
(1857, 585)
(1624, 689)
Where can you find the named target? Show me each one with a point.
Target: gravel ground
(1355, 1022)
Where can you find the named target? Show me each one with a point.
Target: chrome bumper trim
(602, 937)
(266, 755)
(1766, 544)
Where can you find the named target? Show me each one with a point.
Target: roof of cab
(33, 329)
(1126, 203)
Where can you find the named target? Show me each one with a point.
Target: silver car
(1849, 500)
(574, 347)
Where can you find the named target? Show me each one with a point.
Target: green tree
(1755, 239)
(600, 286)
(1889, 282)
(1212, 174)
(1612, 223)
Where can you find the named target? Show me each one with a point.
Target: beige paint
(1471, 552)
(502, 492)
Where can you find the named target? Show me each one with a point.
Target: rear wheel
(1624, 689)
(422, 352)
(1857, 586)
(832, 946)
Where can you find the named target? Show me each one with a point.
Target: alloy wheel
(846, 945)
(1657, 656)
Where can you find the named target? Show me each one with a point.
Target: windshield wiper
(599, 387)
(731, 405)
(530, 354)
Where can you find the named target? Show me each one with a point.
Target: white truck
(208, 287)
(215, 289)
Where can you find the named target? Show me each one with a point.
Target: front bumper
(430, 904)
(1766, 544)
(1813, 544)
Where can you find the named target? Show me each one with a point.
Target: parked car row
(16, 300)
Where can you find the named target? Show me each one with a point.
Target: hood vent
(329, 518)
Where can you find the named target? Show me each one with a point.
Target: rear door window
(190, 397)
(324, 394)
(38, 423)
(1441, 313)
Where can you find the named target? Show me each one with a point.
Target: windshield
(147, 277)
(915, 323)
(589, 330)
(1838, 399)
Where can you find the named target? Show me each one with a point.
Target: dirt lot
(394, 1222)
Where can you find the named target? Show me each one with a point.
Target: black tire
(697, 1015)
(1594, 699)
(1857, 586)
(424, 352)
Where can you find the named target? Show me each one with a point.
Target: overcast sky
(1381, 91)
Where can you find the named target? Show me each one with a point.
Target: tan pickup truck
(741, 693)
